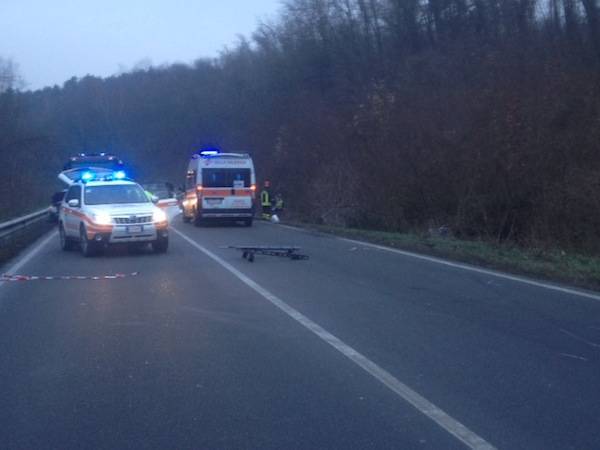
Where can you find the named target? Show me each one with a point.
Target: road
(357, 348)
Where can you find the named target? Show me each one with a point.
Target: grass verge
(553, 265)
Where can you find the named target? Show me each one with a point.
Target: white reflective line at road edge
(506, 276)
(27, 257)
(448, 423)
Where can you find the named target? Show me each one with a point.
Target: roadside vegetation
(394, 115)
(554, 265)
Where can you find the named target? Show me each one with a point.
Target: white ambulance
(219, 186)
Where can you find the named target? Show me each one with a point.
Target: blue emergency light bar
(207, 151)
(90, 175)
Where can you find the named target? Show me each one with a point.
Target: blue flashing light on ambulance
(219, 186)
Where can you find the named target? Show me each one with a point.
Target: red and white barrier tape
(7, 277)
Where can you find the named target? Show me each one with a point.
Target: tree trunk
(591, 11)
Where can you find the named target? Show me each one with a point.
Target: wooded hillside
(482, 115)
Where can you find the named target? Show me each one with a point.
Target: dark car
(102, 160)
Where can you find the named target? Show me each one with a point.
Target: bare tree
(593, 22)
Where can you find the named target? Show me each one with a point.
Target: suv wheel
(88, 248)
(160, 245)
(66, 243)
(198, 221)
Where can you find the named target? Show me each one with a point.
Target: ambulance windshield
(238, 178)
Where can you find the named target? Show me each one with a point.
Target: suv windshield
(119, 193)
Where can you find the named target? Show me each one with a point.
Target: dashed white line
(568, 355)
(506, 276)
(579, 338)
(448, 423)
(27, 257)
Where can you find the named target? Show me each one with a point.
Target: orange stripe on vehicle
(216, 192)
(227, 192)
(91, 227)
(167, 204)
(100, 228)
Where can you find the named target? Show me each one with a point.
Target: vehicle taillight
(199, 188)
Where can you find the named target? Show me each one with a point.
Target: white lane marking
(579, 338)
(448, 423)
(564, 290)
(568, 355)
(27, 257)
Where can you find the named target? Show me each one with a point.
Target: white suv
(95, 213)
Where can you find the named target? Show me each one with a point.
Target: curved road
(357, 348)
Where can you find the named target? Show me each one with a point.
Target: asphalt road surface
(356, 348)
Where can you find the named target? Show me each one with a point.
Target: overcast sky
(53, 40)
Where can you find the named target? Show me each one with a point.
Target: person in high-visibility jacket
(266, 201)
(278, 204)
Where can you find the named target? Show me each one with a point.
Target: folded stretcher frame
(248, 251)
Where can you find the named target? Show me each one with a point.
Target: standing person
(265, 200)
(278, 204)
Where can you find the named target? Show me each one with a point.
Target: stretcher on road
(285, 251)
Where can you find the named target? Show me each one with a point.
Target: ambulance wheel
(248, 222)
(160, 245)
(66, 244)
(198, 221)
(88, 248)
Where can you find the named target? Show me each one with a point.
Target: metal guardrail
(18, 224)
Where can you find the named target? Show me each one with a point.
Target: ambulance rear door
(227, 189)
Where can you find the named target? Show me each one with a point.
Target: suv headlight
(102, 218)
(159, 216)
